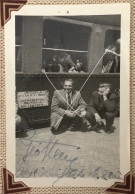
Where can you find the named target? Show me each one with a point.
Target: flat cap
(104, 85)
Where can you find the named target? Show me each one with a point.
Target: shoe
(53, 130)
(85, 126)
(97, 128)
(101, 125)
(98, 131)
(108, 130)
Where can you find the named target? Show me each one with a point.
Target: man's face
(102, 90)
(68, 86)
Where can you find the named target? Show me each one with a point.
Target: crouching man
(67, 108)
(103, 104)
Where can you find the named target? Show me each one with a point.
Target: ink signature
(46, 151)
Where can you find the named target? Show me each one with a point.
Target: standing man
(103, 104)
(111, 60)
(67, 107)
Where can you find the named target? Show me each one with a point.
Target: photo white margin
(58, 10)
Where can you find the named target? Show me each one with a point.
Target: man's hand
(98, 118)
(70, 113)
(105, 93)
(43, 71)
(83, 113)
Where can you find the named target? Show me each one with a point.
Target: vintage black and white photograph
(67, 94)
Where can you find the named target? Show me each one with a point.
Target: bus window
(65, 46)
(111, 60)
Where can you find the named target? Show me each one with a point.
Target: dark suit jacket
(59, 105)
(98, 105)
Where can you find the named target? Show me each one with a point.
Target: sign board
(32, 99)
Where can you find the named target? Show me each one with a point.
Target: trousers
(108, 116)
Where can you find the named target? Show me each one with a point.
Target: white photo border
(59, 10)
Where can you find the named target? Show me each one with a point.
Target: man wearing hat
(103, 104)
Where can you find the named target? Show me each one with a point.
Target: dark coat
(98, 105)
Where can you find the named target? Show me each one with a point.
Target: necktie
(69, 99)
